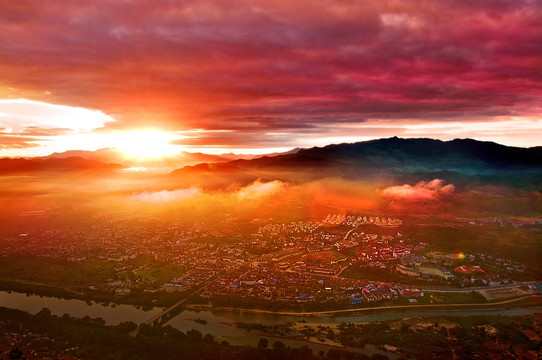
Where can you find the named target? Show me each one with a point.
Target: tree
(306, 351)
(194, 335)
(99, 321)
(279, 346)
(208, 338)
(45, 313)
(263, 343)
(126, 326)
(15, 354)
(339, 354)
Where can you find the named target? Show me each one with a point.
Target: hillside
(460, 160)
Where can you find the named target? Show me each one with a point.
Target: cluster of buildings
(384, 248)
(300, 261)
(511, 222)
(466, 271)
(352, 220)
(114, 239)
(112, 286)
(295, 227)
(425, 270)
(190, 279)
(272, 283)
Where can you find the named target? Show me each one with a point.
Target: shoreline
(335, 345)
(452, 307)
(406, 308)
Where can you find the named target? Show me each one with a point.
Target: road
(348, 233)
(442, 289)
(393, 307)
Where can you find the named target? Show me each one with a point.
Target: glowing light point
(146, 144)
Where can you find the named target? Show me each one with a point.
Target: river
(221, 324)
(112, 314)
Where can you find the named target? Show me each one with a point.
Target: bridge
(164, 314)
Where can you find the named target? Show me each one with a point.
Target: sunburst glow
(146, 144)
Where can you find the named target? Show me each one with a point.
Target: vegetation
(427, 337)
(60, 272)
(519, 244)
(432, 338)
(91, 339)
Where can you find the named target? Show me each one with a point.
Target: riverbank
(39, 288)
(138, 298)
(111, 313)
(524, 301)
(304, 330)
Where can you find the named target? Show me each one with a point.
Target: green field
(518, 244)
(58, 272)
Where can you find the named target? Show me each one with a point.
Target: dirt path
(44, 285)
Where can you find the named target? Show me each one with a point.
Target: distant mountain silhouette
(9, 166)
(461, 160)
(465, 156)
(109, 155)
(183, 158)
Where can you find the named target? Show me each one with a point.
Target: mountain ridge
(395, 157)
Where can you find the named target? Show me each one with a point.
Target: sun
(146, 144)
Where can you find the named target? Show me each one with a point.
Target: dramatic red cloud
(422, 191)
(275, 70)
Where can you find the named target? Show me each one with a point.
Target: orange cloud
(254, 191)
(259, 189)
(166, 195)
(423, 191)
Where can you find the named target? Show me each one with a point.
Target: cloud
(164, 196)
(423, 191)
(29, 116)
(258, 190)
(34, 128)
(16, 142)
(269, 67)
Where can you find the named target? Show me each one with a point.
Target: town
(343, 260)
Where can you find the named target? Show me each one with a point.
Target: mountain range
(459, 160)
(396, 160)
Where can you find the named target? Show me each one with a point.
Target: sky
(263, 76)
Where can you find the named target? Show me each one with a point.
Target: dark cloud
(259, 66)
